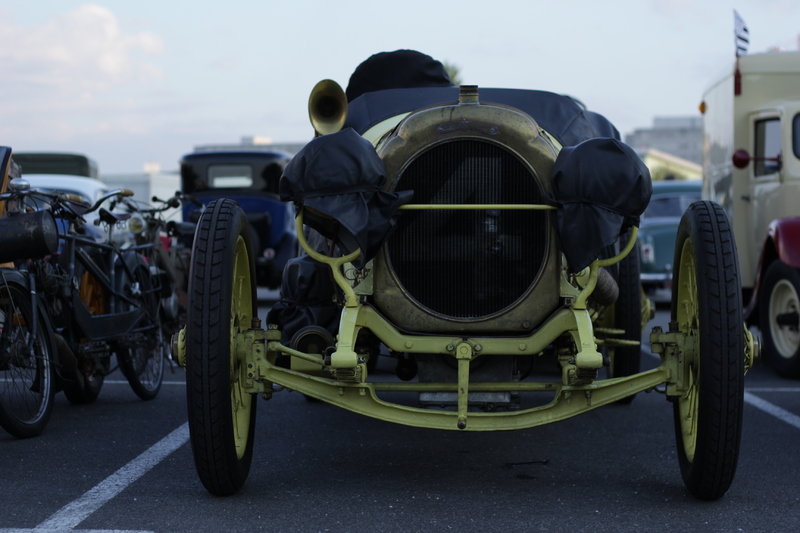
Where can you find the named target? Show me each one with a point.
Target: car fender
(782, 242)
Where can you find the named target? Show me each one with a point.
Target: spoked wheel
(706, 304)
(142, 360)
(626, 360)
(222, 303)
(780, 308)
(26, 368)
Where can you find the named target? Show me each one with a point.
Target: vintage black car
(250, 177)
(483, 239)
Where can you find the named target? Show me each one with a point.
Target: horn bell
(327, 107)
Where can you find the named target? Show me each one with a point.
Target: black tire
(708, 418)
(221, 415)
(142, 359)
(779, 300)
(27, 379)
(626, 361)
(88, 393)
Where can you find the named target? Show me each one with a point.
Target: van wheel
(707, 309)
(779, 314)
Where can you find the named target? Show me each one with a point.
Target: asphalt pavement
(121, 464)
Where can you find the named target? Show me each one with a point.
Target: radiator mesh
(472, 263)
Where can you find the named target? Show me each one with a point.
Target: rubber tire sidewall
(628, 317)
(208, 348)
(720, 351)
(14, 426)
(141, 274)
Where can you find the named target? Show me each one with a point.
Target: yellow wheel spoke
(688, 320)
(241, 318)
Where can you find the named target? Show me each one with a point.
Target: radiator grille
(473, 263)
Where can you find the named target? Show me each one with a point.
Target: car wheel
(706, 306)
(626, 360)
(222, 294)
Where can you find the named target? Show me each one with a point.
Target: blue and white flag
(741, 35)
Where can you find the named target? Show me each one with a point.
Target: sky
(135, 82)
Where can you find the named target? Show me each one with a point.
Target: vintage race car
(474, 235)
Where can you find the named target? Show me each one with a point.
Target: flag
(741, 35)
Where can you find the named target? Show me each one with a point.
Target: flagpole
(741, 37)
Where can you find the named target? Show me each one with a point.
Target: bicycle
(171, 243)
(103, 299)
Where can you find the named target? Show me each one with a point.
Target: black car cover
(307, 292)
(601, 187)
(561, 116)
(338, 177)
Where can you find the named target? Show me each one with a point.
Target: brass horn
(327, 107)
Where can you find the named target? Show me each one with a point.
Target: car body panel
(91, 190)
(659, 227)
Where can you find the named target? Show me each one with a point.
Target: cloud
(83, 48)
(66, 65)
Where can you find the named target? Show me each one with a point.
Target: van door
(764, 191)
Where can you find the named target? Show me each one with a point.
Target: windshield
(230, 176)
(670, 206)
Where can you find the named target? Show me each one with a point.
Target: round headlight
(136, 224)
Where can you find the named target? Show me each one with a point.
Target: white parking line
(125, 382)
(772, 409)
(37, 530)
(76, 512)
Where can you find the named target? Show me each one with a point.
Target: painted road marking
(79, 510)
(772, 409)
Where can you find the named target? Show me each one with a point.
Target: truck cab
(751, 166)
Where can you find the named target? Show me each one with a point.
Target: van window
(768, 144)
(796, 136)
(230, 176)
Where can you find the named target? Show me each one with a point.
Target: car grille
(468, 264)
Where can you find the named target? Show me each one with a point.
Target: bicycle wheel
(222, 296)
(706, 304)
(26, 367)
(141, 358)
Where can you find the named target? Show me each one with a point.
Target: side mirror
(741, 158)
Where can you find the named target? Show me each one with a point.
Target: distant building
(678, 136)
(145, 185)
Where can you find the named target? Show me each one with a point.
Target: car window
(670, 206)
(768, 144)
(230, 176)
